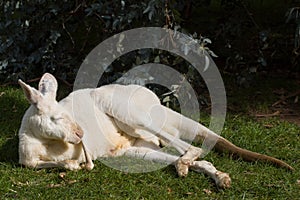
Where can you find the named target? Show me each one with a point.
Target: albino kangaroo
(111, 121)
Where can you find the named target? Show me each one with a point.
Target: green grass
(250, 180)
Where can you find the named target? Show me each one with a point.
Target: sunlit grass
(250, 180)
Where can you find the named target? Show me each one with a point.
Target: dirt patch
(289, 112)
(287, 108)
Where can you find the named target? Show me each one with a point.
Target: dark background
(250, 37)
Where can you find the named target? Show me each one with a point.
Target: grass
(250, 180)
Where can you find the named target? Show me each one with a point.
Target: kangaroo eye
(55, 119)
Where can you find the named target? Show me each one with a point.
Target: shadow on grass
(12, 108)
(9, 151)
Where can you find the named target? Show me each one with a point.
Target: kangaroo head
(46, 118)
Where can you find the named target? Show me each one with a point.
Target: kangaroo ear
(48, 86)
(32, 95)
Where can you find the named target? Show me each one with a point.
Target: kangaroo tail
(224, 145)
(186, 128)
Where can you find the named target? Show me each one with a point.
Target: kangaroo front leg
(89, 165)
(148, 154)
(67, 164)
(222, 179)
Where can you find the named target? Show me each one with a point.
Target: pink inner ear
(45, 86)
(48, 86)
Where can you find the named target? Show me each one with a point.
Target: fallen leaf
(249, 173)
(207, 191)
(18, 183)
(268, 126)
(298, 182)
(296, 100)
(54, 185)
(62, 175)
(72, 181)
(14, 191)
(14, 108)
(268, 115)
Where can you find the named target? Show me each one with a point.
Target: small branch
(250, 15)
(33, 80)
(16, 83)
(36, 80)
(76, 9)
(85, 41)
(65, 82)
(287, 97)
(99, 17)
(277, 113)
(7, 84)
(69, 34)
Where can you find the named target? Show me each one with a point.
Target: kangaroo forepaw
(87, 166)
(72, 165)
(182, 167)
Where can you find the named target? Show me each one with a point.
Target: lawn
(269, 135)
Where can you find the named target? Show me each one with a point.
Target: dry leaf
(54, 185)
(296, 100)
(207, 191)
(268, 126)
(14, 191)
(18, 183)
(268, 115)
(72, 181)
(62, 175)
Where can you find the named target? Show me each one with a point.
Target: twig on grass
(277, 113)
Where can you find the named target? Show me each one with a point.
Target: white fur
(109, 121)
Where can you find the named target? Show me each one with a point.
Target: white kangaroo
(110, 121)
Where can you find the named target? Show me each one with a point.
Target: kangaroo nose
(78, 131)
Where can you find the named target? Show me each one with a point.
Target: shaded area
(12, 108)
(269, 96)
(247, 35)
